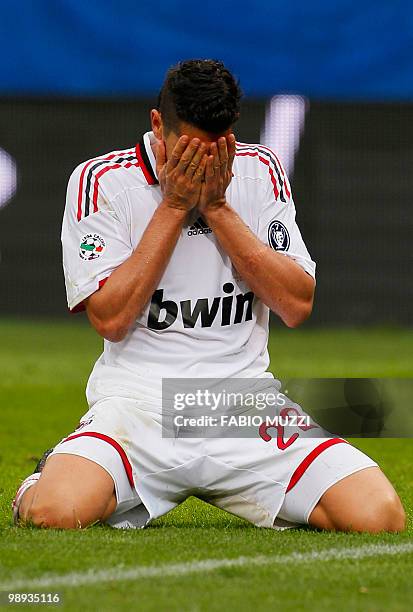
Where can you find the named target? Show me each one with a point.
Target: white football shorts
(271, 481)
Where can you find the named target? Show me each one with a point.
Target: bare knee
(53, 515)
(384, 514)
(63, 512)
(363, 502)
(84, 495)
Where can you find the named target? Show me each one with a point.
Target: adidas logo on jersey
(199, 227)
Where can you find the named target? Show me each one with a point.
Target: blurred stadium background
(328, 85)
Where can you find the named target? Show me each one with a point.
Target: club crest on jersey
(278, 236)
(91, 247)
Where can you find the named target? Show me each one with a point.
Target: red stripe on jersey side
(310, 458)
(148, 176)
(129, 164)
(277, 164)
(101, 173)
(96, 185)
(287, 191)
(82, 175)
(116, 446)
(267, 163)
(271, 152)
(81, 306)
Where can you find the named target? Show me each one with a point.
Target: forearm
(115, 307)
(276, 279)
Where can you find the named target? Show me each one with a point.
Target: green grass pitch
(43, 371)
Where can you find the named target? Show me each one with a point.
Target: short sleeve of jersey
(277, 226)
(95, 238)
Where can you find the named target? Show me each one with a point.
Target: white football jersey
(202, 320)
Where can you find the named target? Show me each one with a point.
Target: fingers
(209, 168)
(224, 151)
(231, 151)
(223, 155)
(193, 165)
(213, 149)
(177, 152)
(200, 171)
(188, 155)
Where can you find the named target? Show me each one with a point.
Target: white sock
(26, 484)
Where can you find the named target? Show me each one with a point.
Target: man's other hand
(218, 173)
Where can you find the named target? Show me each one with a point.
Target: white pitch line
(76, 579)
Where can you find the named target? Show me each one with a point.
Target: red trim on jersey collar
(145, 164)
(116, 446)
(307, 461)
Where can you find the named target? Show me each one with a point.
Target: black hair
(202, 93)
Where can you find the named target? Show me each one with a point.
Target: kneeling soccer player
(177, 248)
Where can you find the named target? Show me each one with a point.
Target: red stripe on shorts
(116, 446)
(305, 463)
